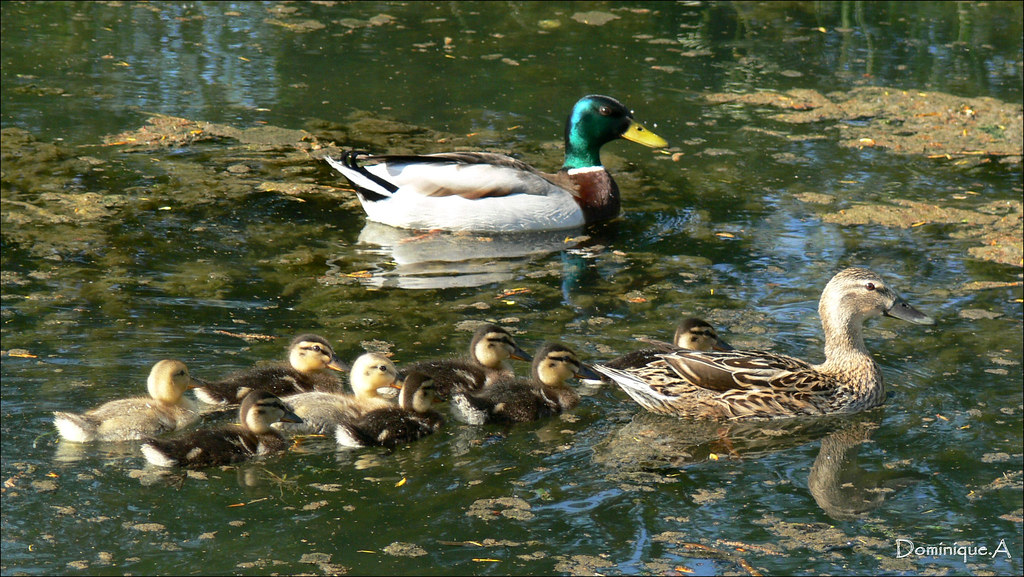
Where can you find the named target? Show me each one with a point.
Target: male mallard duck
(251, 437)
(479, 191)
(512, 400)
(166, 409)
(489, 349)
(692, 334)
(744, 384)
(308, 356)
(396, 425)
(321, 411)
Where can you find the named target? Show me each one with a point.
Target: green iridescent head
(596, 120)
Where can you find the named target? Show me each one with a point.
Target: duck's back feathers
(125, 420)
(388, 427)
(451, 375)
(429, 192)
(321, 412)
(279, 380)
(744, 370)
(508, 401)
(309, 356)
(212, 447)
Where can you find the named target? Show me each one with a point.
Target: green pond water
(117, 253)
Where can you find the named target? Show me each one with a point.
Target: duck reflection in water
(439, 259)
(840, 486)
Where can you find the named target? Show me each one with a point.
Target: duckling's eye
(382, 368)
(870, 286)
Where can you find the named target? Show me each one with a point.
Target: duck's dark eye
(605, 111)
(870, 286)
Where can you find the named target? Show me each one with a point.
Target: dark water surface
(114, 258)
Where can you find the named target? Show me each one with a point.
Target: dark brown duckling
(512, 400)
(252, 437)
(389, 427)
(489, 350)
(308, 356)
(692, 334)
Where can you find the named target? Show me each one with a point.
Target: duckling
(308, 356)
(479, 191)
(757, 384)
(321, 412)
(166, 409)
(512, 400)
(252, 437)
(489, 350)
(692, 334)
(397, 425)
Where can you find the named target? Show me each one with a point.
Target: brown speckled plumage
(758, 384)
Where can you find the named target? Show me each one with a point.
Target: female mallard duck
(396, 425)
(251, 437)
(321, 411)
(692, 334)
(166, 409)
(489, 349)
(745, 384)
(478, 191)
(308, 356)
(512, 400)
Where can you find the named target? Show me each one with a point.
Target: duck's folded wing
(468, 175)
(731, 370)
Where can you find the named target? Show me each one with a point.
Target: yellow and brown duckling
(489, 350)
(513, 400)
(757, 384)
(165, 409)
(250, 438)
(321, 412)
(309, 356)
(692, 334)
(410, 420)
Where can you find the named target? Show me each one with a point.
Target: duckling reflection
(451, 259)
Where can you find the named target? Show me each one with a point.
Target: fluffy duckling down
(309, 356)
(165, 409)
(252, 437)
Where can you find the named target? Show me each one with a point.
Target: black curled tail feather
(350, 160)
